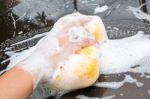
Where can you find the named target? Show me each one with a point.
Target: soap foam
(116, 85)
(100, 9)
(116, 56)
(139, 13)
(121, 55)
(86, 97)
(127, 52)
(148, 91)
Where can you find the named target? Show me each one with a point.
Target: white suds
(20, 32)
(36, 36)
(139, 14)
(121, 55)
(100, 9)
(116, 85)
(116, 28)
(17, 57)
(86, 97)
(108, 97)
(116, 56)
(121, 94)
(148, 91)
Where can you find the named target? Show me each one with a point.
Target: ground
(23, 21)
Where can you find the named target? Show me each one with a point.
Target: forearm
(16, 84)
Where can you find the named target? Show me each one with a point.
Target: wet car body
(20, 20)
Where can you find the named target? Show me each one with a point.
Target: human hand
(67, 53)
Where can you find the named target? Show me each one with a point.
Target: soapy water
(116, 85)
(148, 91)
(121, 55)
(109, 52)
(86, 97)
(117, 56)
(139, 13)
(100, 9)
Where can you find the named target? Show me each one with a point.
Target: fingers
(88, 42)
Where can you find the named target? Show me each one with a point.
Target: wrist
(35, 65)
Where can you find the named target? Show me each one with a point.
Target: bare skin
(19, 84)
(16, 84)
